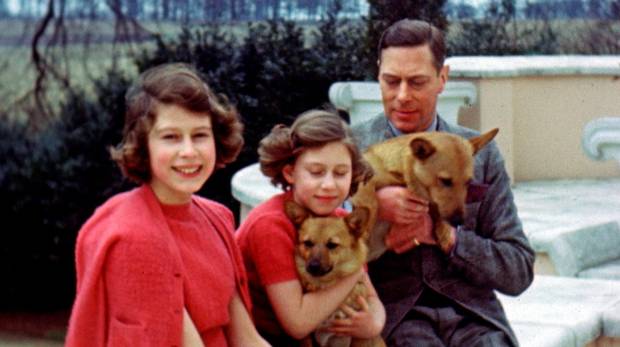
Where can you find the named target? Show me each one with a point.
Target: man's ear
(421, 148)
(287, 172)
(295, 212)
(443, 76)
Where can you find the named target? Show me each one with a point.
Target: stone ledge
(535, 335)
(611, 321)
(532, 65)
(550, 209)
(575, 250)
(609, 270)
(564, 312)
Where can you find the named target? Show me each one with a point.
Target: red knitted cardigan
(121, 219)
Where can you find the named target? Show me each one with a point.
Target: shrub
(383, 13)
(51, 183)
(498, 33)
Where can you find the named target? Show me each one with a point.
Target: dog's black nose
(315, 269)
(456, 219)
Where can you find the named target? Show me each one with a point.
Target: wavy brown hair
(311, 129)
(173, 84)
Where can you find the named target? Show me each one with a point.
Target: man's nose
(404, 93)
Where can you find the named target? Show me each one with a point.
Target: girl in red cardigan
(317, 163)
(158, 266)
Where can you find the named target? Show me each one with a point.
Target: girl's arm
(299, 313)
(241, 331)
(191, 337)
(365, 323)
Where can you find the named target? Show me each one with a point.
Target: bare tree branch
(40, 64)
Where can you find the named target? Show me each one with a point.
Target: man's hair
(173, 84)
(411, 33)
(312, 129)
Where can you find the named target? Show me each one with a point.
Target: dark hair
(311, 129)
(411, 33)
(173, 84)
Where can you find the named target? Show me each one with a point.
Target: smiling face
(181, 153)
(321, 177)
(410, 85)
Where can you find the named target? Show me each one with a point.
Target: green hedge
(50, 183)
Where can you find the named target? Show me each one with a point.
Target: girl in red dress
(158, 265)
(316, 162)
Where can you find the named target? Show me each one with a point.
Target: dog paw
(444, 233)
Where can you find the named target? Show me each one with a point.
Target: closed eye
(169, 136)
(202, 135)
(391, 80)
(417, 83)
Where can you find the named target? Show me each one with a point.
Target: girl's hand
(359, 324)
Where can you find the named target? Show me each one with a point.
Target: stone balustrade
(601, 139)
(363, 99)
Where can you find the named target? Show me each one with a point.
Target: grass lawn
(83, 66)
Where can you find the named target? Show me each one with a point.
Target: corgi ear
(295, 212)
(356, 220)
(480, 141)
(421, 148)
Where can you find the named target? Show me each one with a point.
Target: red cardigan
(132, 225)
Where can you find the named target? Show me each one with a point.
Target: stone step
(565, 312)
(573, 225)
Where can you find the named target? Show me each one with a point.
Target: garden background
(65, 66)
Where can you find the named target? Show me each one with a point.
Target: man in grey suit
(434, 298)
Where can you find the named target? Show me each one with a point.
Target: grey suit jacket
(491, 253)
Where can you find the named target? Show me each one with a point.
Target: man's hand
(403, 237)
(398, 205)
(411, 225)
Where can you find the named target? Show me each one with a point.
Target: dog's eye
(308, 244)
(446, 182)
(331, 245)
